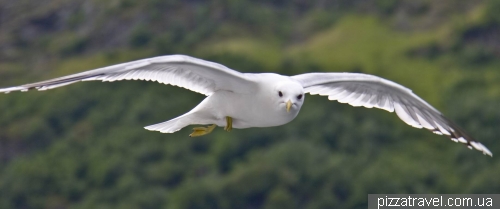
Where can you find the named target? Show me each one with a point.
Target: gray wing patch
(165, 74)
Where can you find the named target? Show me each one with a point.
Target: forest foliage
(84, 146)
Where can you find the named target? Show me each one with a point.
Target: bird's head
(290, 96)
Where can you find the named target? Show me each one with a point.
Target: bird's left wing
(179, 70)
(370, 91)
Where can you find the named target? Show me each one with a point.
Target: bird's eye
(280, 93)
(299, 97)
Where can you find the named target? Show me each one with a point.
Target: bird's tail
(170, 126)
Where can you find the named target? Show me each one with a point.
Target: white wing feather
(179, 70)
(371, 91)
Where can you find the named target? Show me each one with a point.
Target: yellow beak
(288, 105)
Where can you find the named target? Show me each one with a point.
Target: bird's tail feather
(170, 126)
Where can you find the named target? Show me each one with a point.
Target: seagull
(245, 100)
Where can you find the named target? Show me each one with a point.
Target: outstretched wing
(179, 70)
(371, 91)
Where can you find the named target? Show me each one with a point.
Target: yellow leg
(229, 124)
(200, 131)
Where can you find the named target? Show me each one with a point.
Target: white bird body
(244, 100)
(248, 110)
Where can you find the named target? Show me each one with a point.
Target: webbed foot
(200, 131)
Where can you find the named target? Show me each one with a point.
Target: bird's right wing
(178, 70)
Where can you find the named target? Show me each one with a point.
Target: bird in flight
(245, 100)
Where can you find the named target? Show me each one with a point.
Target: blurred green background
(84, 146)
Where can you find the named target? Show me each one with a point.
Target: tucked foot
(200, 131)
(229, 124)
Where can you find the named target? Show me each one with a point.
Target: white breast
(248, 110)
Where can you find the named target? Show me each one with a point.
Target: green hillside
(84, 145)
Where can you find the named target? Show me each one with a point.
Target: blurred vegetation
(83, 146)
